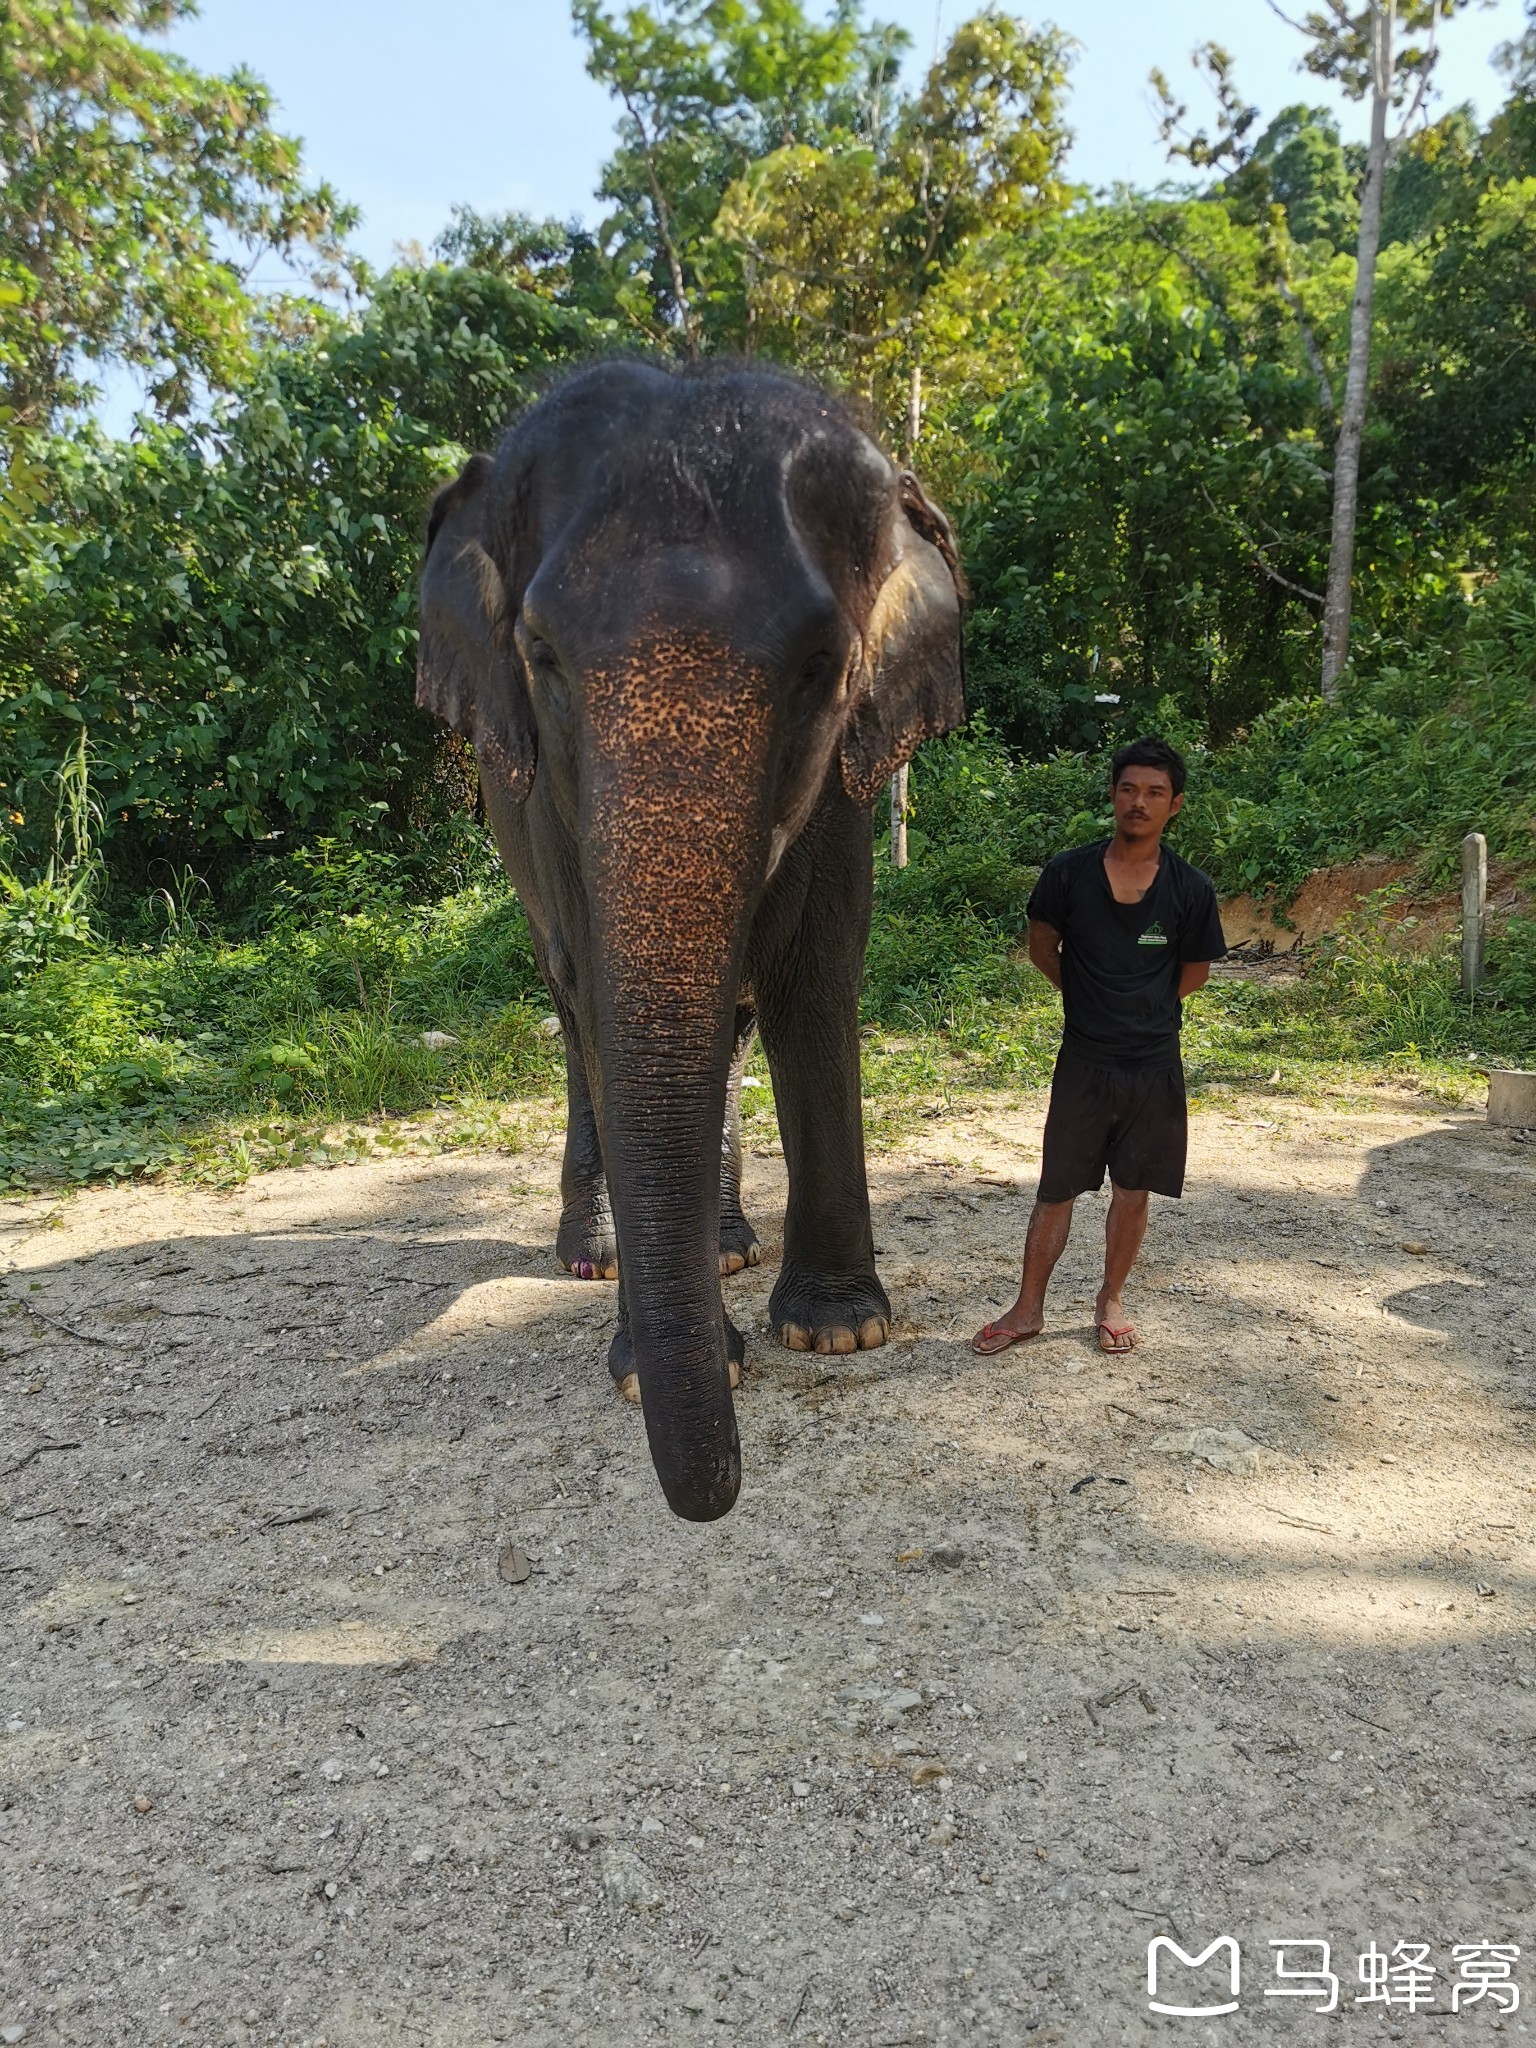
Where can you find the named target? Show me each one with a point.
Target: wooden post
(1474, 910)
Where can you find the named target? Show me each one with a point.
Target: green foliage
(840, 245)
(1149, 474)
(1437, 742)
(51, 912)
(708, 87)
(113, 1057)
(1298, 164)
(776, 192)
(1457, 373)
(134, 194)
(228, 612)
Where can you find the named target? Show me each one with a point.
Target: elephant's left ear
(913, 683)
(467, 671)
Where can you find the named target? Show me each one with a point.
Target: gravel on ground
(357, 1687)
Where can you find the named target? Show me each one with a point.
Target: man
(1126, 930)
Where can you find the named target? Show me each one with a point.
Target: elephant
(692, 619)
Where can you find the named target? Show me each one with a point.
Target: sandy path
(923, 1744)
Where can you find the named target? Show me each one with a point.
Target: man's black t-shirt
(1120, 962)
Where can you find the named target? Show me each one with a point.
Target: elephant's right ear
(467, 670)
(912, 686)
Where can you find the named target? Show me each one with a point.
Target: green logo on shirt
(1154, 935)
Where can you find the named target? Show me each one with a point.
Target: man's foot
(999, 1336)
(1116, 1333)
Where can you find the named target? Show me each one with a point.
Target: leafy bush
(114, 1056)
(1431, 743)
(227, 611)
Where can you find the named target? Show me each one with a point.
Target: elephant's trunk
(663, 1155)
(674, 849)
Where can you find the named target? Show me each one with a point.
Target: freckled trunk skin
(674, 846)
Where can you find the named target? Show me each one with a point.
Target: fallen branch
(36, 1451)
(80, 1336)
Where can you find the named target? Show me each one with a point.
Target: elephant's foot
(810, 1312)
(585, 1244)
(738, 1244)
(621, 1361)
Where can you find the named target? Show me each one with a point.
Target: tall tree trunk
(914, 409)
(1346, 454)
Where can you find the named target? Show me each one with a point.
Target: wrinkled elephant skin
(692, 622)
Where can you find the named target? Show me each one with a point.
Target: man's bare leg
(1124, 1228)
(1046, 1240)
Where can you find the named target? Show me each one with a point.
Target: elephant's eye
(821, 669)
(545, 666)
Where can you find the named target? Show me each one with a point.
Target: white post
(1474, 910)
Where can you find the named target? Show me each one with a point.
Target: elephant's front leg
(585, 1243)
(828, 1296)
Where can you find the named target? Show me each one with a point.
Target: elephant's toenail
(838, 1340)
(735, 1372)
(794, 1338)
(629, 1387)
(873, 1332)
(754, 1253)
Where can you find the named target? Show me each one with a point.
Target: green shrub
(227, 609)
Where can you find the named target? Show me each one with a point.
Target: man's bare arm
(1192, 975)
(1045, 950)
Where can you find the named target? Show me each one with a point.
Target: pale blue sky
(408, 108)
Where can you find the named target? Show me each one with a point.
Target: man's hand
(1192, 975)
(1045, 950)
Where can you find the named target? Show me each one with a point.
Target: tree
(558, 261)
(707, 87)
(1360, 50)
(776, 191)
(1129, 442)
(1299, 164)
(135, 195)
(841, 243)
(227, 610)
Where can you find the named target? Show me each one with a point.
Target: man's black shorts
(1136, 1124)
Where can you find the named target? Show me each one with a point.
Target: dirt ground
(989, 1679)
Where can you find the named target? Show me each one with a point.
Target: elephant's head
(675, 614)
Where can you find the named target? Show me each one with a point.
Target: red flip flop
(992, 1338)
(1115, 1348)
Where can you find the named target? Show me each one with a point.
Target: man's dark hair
(1150, 753)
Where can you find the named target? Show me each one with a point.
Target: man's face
(1144, 802)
